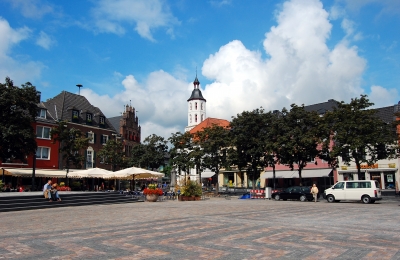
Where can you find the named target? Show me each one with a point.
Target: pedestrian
(314, 192)
(46, 190)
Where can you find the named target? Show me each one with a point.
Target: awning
(23, 172)
(207, 174)
(295, 174)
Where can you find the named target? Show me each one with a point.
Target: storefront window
(389, 180)
(229, 179)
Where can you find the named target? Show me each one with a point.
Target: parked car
(301, 193)
(367, 191)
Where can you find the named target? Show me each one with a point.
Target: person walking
(314, 192)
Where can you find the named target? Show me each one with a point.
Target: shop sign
(392, 165)
(366, 166)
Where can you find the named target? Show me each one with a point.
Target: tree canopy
(300, 136)
(150, 154)
(72, 143)
(112, 153)
(359, 135)
(18, 108)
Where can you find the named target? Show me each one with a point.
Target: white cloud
(383, 97)
(145, 15)
(34, 9)
(44, 40)
(300, 69)
(160, 102)
(19, 70)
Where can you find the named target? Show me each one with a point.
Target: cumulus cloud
(300, 67)
(20, 71)
(144, 15)
(160, 102)
(383, 97)
(44, 40)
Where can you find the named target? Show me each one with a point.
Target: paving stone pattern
(212, 229)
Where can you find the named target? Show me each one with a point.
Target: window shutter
(94, 138)
(94, 159)
(85, 160)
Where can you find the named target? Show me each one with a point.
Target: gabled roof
(322, 108)
(115, 122)
(60, 108)
(386, 114)
(209, 122)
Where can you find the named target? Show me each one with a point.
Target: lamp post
(33, 173)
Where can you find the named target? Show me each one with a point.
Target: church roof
(196, 94)
(209, 122)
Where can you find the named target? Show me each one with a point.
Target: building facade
(128, 128)
(78, 113)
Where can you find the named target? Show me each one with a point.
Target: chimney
(38, 96)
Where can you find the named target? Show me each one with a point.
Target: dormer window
(42, 113)
(102, 120)
(75, 114)
(89, 118)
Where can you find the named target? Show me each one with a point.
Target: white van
(366, 191)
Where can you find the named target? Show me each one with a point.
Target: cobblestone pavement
(212, 229)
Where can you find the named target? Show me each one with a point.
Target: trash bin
(268, 192)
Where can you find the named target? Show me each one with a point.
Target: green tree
(151, 154)
(72, 144)
(18, 108)
(182, 145)
(359, 135)
(248, 136)
(112, 153)
(300, 138)
(212, 144)
(272, 155)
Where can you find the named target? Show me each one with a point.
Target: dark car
(301, 193)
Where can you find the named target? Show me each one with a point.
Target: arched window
(190, 118)
(202, 118)
(195, 105)
(195, 118)
(190, 104)
(201, 105)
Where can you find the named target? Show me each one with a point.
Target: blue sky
(247, 53)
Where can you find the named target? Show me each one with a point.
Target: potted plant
(191, 191)
(152, 192)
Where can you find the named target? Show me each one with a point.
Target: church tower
(196, 106)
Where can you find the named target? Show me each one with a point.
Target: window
(365, 184)
(195, 106)
(202, 117)
(352, 185)
(89, 158)
(104, 139)
(202, 106)
(190, 105)
(190, 118)
(75, 114)
(195, 118)
(88, 118)
(90, 135)
(102, 120)
(43, 153)
(43, 132)
(339, 185)
(42, 113)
